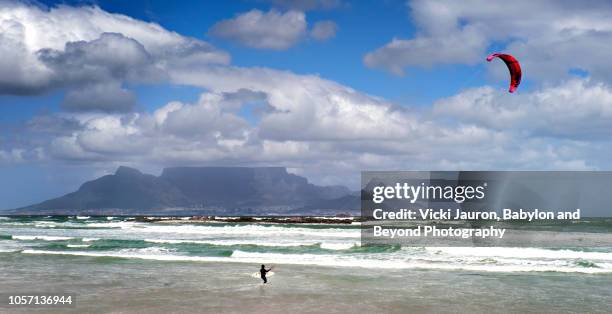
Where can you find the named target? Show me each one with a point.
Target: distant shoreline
(251, 219)
(226, 219)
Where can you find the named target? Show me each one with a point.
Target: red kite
(513, 66)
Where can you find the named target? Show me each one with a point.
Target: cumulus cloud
(329, 131)
(111, 57)
(306, 106)
(99, 97)
(273, 30)
(303, 113)
(66, 47)
(324, 30)
(465, 47)
(563, 35)
(52, 124)
(177, 129)
(263, 30)
(577, 108)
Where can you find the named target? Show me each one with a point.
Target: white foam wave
(337, 246)
(77, 245)
(529, 253)
(226, 242)
(324, 245)
(249, 230)
(8, 246)
(332, 261)
(235, 230)
(117, 224)
(40, 237)
(350, 261)
(158, 257)
(147, 250)
(334, 218)
(5, 250)
(41, 225)
(90, 239)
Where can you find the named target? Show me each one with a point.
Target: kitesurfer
(263, 272)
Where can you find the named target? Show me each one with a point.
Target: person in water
(263, 272)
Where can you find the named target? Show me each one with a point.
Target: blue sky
(325, 87)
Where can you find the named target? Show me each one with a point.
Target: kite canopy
(513, 66)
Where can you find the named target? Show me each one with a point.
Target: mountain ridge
(205, 190)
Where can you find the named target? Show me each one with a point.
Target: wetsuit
(263, 272)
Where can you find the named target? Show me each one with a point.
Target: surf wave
(9, 246)
(530, 253)
(323, 245)
(336, 261)
(232, 230)
(338, 246)
(225, 242)
(291, 244)
(112, 224)
(254, 230)
(40, 237)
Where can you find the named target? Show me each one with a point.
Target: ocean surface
(120, 265)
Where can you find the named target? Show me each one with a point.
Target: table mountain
(221, 189)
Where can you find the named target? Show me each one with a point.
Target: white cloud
(107, 97)
(561, 36)
(330, 132)
(465, 47)
(577, 108)
(306, 106)
(263, 30)
(38, 29)
(64, 46)
(111, 57)
(324, 30)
